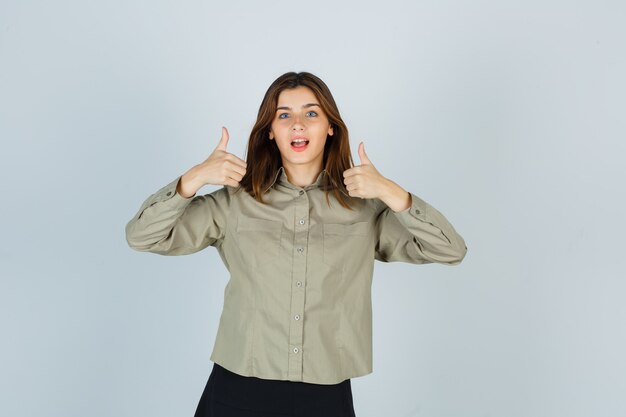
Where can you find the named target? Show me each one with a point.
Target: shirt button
(297, 317)
(302, 221)
(299, 284)
(169, 193)
(300, 250)
(296, 350)
(301, 192)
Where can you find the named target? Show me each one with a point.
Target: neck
(300, 175)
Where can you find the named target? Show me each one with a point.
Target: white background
(507, 116)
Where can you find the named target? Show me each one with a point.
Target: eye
(314, 113)
(280, 116)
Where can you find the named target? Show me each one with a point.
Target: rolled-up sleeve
(419, 234)
(170, 224)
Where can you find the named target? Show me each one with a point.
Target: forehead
(298, 95)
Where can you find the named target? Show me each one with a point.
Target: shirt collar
(281, 178)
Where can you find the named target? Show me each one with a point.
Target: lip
(300, 149)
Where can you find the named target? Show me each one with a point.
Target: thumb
(223, 140)
(362, 155)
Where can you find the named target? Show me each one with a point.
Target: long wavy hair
(263, 156)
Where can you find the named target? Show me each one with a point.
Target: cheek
(278, 126)
(281, 133)
(321, 129)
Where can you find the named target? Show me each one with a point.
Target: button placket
(296, 328)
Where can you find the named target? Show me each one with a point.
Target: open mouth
(299, 144)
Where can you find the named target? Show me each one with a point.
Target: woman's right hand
(220, 168)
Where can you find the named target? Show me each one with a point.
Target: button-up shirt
(297, 305)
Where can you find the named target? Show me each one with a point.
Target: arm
(408, 229)
(169, 224)
(418, 234)
(174, 221)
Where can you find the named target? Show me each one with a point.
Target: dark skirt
(231, 395)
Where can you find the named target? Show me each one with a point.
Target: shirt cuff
(170, 196)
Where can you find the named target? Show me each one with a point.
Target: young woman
(298, 227)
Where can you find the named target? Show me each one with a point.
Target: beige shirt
(297, 305)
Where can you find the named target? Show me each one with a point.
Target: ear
(271, 135)
(330, 130)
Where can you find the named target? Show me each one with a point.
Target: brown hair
(264, 154)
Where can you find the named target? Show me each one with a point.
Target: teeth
(299, 140)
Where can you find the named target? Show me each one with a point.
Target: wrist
(187, 186)
(397, 198)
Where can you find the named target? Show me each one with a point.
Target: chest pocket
(341, 240)
(258, 240)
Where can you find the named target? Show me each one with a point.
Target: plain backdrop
(507, 116)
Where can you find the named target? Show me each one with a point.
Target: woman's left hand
(365, 181)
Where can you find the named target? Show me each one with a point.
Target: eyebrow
(304, 107)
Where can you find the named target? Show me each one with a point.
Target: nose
(297, 123)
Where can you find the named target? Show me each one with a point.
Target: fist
(364, 181)
(220, 168)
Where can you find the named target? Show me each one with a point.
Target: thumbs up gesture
(220, 168)
(364, 180)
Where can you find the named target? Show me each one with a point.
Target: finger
(231, 178)
(236, 160)
(235, 168)
(362, 155)
(223, 140)
(231, 182)
(350, 172)
(350, 179)
(235, 176)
